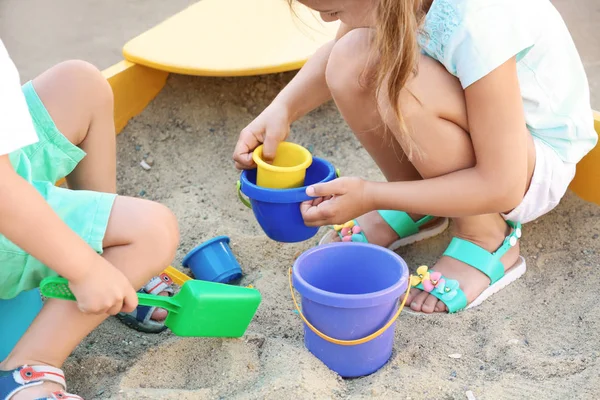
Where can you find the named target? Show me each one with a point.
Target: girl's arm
(495, 184)
(308, 89)
(500, 138)
(305, 92)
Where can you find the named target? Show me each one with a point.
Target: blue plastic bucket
(15, 317)
(278, 210)
(350, 292)
(213, 261)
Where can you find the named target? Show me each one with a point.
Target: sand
(536, 339)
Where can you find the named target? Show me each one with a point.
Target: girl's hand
(103, 289)
(271, 127)
(337, 202)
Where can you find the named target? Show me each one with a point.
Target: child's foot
(385, 232)
(472, 281)
(33, 382)
(150, 319)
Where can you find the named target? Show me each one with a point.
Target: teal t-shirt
(471, 38)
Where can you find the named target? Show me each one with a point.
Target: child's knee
(348, 68)
(149, 227)
(164, 230)
(84, 80)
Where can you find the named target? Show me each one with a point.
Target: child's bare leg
(80, 102)
(351, 80)
(141, 240)
(439, 128)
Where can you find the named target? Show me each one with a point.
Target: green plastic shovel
(200, 309)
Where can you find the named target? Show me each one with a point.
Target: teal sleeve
(471, 39)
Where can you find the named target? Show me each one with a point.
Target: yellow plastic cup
(287, 170)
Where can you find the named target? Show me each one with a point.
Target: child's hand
(103, 289)
(337, 202)
(271, 127)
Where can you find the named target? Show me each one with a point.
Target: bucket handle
(242, 199)
(347, 342)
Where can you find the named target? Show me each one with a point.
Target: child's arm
(305, 92)
(29, 222)
(495, 184)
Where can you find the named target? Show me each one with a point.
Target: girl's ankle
(487, 231)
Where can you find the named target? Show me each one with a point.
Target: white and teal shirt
(471, 38)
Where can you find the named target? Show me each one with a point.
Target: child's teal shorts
(42, 164)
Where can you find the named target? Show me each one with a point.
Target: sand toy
(200, 309)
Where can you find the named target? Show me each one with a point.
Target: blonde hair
(398, 24)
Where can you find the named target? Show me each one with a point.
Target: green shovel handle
(242, 198)
(58, 288)
(152, 300)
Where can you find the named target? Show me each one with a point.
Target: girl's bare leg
(439, 127)
(350, 77)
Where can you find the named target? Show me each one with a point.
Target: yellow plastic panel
(232, 38)
(587, 180)
(134, 86)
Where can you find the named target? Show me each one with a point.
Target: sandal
(140, 319)
(449, 291)
(408, 230)
(12, 382)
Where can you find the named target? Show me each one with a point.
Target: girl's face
(354, 13)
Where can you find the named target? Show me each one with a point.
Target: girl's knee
(432, 89)
(349, 70)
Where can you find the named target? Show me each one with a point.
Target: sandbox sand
(536, 339)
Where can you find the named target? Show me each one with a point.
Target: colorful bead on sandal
(449, 291)
(408, 231)
(350, 232)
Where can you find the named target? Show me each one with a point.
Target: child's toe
(417, 303)
(429, 304)
(440, 307)
(160, 314)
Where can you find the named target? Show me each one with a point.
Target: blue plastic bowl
(278, 210)
(213, 261)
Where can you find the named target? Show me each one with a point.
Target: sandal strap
(481, 259)
(159, 284)
(61, 395)
(448, 290)
(26, 376)
(399, 221)
(402, 223)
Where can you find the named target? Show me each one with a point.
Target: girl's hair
(398, 24)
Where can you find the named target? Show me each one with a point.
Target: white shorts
(550, 181)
